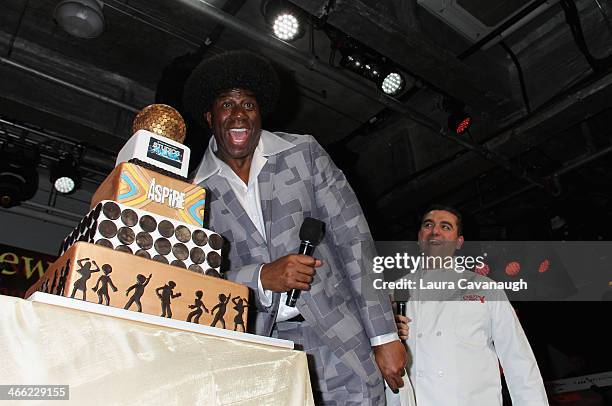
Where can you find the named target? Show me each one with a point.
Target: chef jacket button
(440, 374)
(420, 335)
(419, 373)
(439, 333)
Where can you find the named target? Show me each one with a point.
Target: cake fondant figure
(222, 307)
(104, 281)
(85, 271)
(198, 305)
(166, 295)
(139, 287)
(239, 305)
(62, 280)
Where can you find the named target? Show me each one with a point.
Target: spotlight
(458, 120)
(392, 84)
(80, 18)
(285, 19)
(18, 174)
(65, 175)
(354, 62)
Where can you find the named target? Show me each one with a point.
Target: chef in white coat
(455, 341)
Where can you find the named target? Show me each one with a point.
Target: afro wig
(226, 71)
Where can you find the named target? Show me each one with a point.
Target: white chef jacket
(455, 346)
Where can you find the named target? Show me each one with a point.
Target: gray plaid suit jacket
(300, 180)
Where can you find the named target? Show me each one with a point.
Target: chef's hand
(391, 359)
(402, 326)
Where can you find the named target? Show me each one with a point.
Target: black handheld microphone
(311, 234)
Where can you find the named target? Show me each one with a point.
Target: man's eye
(227, 105)
(249, 105)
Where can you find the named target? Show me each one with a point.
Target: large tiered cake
(143, 246)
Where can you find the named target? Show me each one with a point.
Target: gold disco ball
(161, 119)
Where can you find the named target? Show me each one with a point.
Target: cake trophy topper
(161, 119)
(157, 142)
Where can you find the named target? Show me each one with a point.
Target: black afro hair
(226, 71)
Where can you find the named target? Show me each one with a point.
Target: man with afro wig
(260, 187)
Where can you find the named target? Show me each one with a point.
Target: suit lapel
(266, 189)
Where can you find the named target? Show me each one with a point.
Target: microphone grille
(312, 230)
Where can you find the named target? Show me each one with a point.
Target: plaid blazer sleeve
(337, 205)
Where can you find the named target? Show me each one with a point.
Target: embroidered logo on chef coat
(474, 298)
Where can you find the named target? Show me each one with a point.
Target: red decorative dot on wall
(513, 268)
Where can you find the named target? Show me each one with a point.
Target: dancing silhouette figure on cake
(198, 305)
(85, 271)
(239, 305)
(165, 296)
(222, 307)
(62, 280)
(104, 281)
(52, 288)
(139, 287)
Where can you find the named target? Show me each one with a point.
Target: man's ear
(460, 241)
(208, 117)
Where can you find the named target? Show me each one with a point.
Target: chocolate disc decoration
(143, 254)
(197, 255)
(129, 217)
(93, 229)
(196, 268)
(213, 273)
(166, 228)
(97, 210)
(160, 258)
(215, 241)
(163, 246)
(111, 210)
(178, 263)
(123, 248)
(126, 235)
(182, 233)
(213, 259)
(148, 223)
(144, 240)
(107, 229)
(105, 243)
(200, 238)
(180, 251)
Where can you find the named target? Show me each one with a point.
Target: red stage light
(463, 125)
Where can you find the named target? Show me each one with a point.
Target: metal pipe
(22, 211)
(68, 85)
(45, 207)
(501, 28)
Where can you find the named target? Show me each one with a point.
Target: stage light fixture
(458, 120)
(65, 175)
(80, 18)
(18, 174)
(392, 84)
(285, 19)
